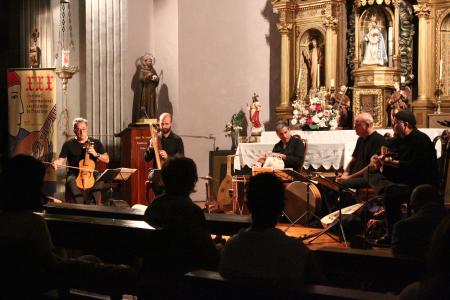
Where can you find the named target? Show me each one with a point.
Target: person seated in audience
(436, 283)
(26, 246)
(411, 236)
(263, 253)
(289, 150)
(185, 242)
(412, 162)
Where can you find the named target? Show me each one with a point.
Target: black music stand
(291, 175)
(338, 188)
(110, 175)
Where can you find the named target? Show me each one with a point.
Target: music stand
(110, 175)
(292, 175)
(338, 188)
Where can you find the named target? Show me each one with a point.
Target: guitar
(330, 218)
(37, 142)
(224, 201)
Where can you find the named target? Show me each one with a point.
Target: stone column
(285, 30)
(423, 11)
(331, 50)
(356, 58)
(396, 56)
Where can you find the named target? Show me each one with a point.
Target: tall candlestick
(318, 76)
(332, 83)
(440, 71)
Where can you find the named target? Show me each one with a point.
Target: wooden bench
(204, 284)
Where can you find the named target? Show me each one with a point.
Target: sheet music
(120, 174)
(124, 173)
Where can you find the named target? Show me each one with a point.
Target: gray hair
(366, 118)
(165, 115)
(280, 125)
(79, 120)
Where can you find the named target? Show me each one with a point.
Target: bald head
(364, 124)
(424, 194)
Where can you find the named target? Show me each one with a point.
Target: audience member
(436, 285)
(411, 236)
(185, 243)
(28, 262)
(263, 253)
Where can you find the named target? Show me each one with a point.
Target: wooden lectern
(133, 143)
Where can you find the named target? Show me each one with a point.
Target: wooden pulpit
(133, 143)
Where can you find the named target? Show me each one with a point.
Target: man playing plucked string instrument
(74, 150)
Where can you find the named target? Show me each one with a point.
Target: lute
(224, 201)
(330, 218)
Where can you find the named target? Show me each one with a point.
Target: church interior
(222, 83)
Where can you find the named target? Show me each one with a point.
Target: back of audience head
(179, 175)
(22, 180)
(438, 256)
(265, 200)
(422, 195)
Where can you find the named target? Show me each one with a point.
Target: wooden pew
(204, 284)
(373, 270)
(219, 224)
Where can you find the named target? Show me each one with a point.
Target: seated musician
(74, 150)
(369, 143)
(289, 149)
(412, 162)
(171, 145)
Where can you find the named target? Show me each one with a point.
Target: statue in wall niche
(149, 79)
(375, 48)
(254, 115)
(398, 100)
(314, 59)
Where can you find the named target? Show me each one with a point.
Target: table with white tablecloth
(327, 149)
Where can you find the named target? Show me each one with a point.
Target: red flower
(318, 107)
(309, 121)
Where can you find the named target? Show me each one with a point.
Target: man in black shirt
(290, 149)
(171, 145)
(368, 144)
(74, 151)
(413, 162)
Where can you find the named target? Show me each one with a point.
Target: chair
(444, 160)
(305, 147)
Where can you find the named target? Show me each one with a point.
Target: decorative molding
(422, 10)
(330, 23)
(377, 107)
(284, 28)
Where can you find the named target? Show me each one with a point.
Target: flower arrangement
(316, 114)
(235, 125)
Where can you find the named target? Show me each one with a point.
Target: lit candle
(65, 58)
(318, 76)
(440, 70)
(332, 83)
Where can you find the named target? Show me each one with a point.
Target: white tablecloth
(325, 149)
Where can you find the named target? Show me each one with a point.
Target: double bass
(85, 179)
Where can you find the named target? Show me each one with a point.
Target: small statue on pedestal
(149, 79)
(254, 111)
(34, 56)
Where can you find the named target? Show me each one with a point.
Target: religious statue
(342, 103)
(254, 111)
(314, 60)
(375, 50)
(399, 100)
(34, 55)
(150, 80)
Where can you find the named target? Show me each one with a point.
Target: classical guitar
(36, 143)
(224, 201)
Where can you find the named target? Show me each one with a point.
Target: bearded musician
(74, 151)
(412, 162)
(290, 150)
(171, 145)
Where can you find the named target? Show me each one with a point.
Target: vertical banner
(32, 114)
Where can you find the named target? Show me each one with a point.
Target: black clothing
(172, 144)
(418, 161)
(411, 236)
(294, 151)
(417, 165)
(365, 148)
(75, 151)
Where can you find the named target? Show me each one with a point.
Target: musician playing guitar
(74, 151)
(168, 144)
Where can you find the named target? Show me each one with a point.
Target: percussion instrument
(296, 197)
(239, 184)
